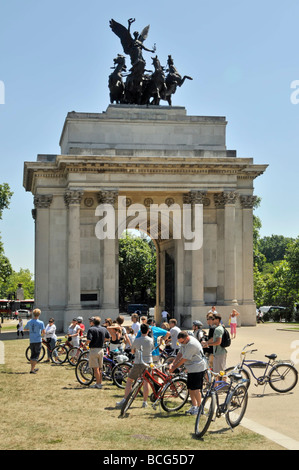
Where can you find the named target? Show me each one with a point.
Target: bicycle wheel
(120, 374)
(283, 377)
(41, 355)
(131, 397)
(83, 355)
(175, 395)
(243, 372)
(73, 355)
(84, 373)
(236, 405)
(59, 354)
(205, 414)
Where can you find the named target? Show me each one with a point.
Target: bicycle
(64, 352)
(233, 407)
(112, 370)
(170, 391)
(45, 345)
(282, 376)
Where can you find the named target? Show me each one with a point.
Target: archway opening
(137, 270)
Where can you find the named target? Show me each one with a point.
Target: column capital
(107, 196)
(195, 197)
(230, 197)
(247, 201)
(42, 201)
(73, 196)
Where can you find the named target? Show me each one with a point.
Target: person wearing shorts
(96, 337)
(219, 353)
(145, 344)
(36, 330)
(233, 323)
(191, 355)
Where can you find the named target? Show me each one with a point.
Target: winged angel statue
(140, 87)
(132, 46)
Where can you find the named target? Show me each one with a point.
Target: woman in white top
(20, 327)
(51, 336)
(73, 333)
(233, 323)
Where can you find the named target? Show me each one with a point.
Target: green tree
(274, 247)
(137, 270)
(5, 266)
(24, 277)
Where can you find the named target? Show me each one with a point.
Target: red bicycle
(170, 391)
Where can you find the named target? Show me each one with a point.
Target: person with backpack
(219, 346)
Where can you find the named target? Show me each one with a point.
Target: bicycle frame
(156, 386)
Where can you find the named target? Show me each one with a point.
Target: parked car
(22, 313)
(273, 312)
(142, 308)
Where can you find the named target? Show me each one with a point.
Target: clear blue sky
(243, 56)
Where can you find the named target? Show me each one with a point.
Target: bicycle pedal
(154, 406)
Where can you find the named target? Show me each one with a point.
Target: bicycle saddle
(272, 356)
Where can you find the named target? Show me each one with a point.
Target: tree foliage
(137, 270)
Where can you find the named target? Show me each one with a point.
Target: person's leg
(195, 396)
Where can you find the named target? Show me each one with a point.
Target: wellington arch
(134, 156)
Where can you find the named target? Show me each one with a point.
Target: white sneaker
(96, 386)
(192, 411)
(144, 404)
(121, 402)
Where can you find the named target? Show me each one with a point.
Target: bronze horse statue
(154, 84)
(173, 80)
(115, 82)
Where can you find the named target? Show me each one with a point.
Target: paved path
(270, 413)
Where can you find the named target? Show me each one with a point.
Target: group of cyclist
(189, 348)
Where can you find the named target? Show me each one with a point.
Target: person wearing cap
(96, 336)
(197, 330)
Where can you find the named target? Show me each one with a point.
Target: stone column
(247, 203)
(197, 273)
(229, 247)
(73, 199)
(41, 215)
(110, 285)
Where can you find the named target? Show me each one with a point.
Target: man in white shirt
(174, 331)
(191, 354)
(135, 323)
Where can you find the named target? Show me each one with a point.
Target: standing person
(219, 353)
(146, 344)
(197, 330)
(135, 323)
(164, 315)
(36, 330)
(191, 355)
(174, 331)
(73, 333)
(81, 326)
(213, 310)
(51, 336)
(233, 323)
(156, 332)
(208, 350)
(96, 336)
(20, 327)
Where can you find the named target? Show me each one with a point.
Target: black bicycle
(282, 376)
(233, 407)
(45, 346)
